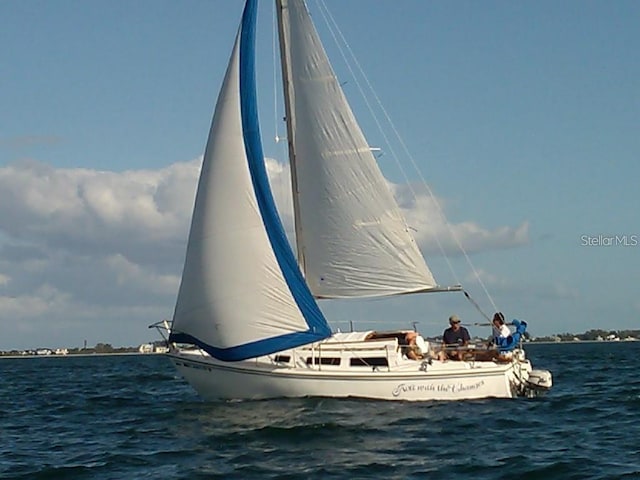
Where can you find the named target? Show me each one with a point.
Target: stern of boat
(527, 381)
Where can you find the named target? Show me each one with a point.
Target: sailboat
(247, 324)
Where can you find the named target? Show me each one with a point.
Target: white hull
(401, 379)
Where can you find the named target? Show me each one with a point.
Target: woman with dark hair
(500, 330)
(501, 336)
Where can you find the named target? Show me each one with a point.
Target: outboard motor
(539, 382)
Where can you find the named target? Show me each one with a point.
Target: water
(123, 417)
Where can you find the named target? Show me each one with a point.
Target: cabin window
(323, 360)
(370, 362)
(282, 358)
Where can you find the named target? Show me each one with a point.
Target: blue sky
(523, 118)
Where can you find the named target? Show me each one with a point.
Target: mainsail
(242, 294)
(351, 238)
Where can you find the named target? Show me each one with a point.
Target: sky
(522, 117)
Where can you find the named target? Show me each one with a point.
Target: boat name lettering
(435, 387)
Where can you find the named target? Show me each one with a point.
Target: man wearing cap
(454, 337)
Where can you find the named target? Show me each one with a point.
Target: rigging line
(408, 153)
(473, 302)
(274, 47)
(368, 321)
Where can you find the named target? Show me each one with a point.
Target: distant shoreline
(551, 342)
(105, 354)
(72, 355)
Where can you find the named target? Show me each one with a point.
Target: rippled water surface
(130, 417)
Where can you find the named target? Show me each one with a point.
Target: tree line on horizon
(594, 334)
(590, 335)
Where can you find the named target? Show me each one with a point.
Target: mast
(286, 85)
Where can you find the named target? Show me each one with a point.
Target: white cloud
(87, 253)
(130, 275)
(488, 279)
(87, 211)
(435, 235)
(31, 305)
(80, 246)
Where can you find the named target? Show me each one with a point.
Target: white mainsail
(242, 294)
(351, 237)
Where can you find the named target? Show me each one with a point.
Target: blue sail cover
(242, 294)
